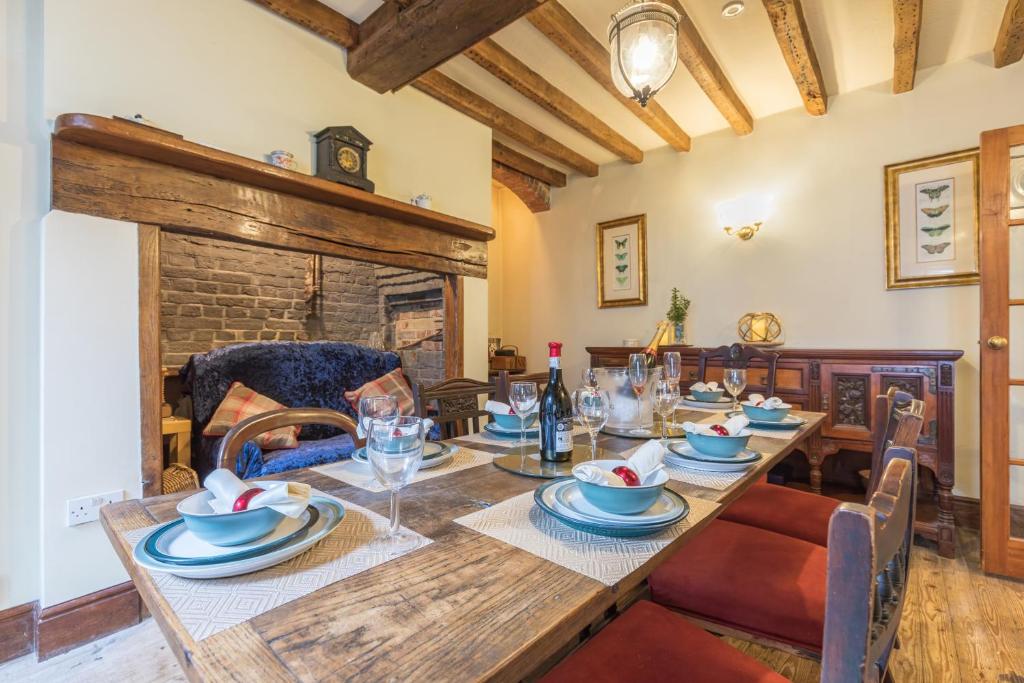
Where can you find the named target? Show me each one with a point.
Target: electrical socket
(87, 508)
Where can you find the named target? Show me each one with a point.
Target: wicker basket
(179, 478)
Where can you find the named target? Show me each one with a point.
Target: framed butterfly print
(931, 221)
(622, 262)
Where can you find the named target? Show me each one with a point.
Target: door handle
(997, 342)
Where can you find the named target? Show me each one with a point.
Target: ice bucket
(623, 414)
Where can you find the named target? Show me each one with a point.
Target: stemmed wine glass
(665, 397)
(394, 447)
(672, 368)
(638, 380)
(590, 378)
(593, 407)
(735, 380)
(372, 407)
(523, 398)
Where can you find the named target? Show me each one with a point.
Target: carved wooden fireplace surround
(124, 171)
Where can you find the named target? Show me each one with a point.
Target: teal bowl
(512, 421)
(229, 528)
(622, 500)
(719, 446)
(708, 396)
(762, 415)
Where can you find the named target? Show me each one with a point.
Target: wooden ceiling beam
(697, 58)
(318, 18)
(533, 192)
(787, 18)
(1009, 46)
(461, 98)
(500, 63)
(569, 35)
(524, 164)
(411, 40)
(906, 38)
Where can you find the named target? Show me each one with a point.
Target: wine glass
(590, 378)
(672, 367)
(372, 407)
(638, 379)
(735, 380)
(394, 447)
(665, 397)
(593, 407)
(523, 398)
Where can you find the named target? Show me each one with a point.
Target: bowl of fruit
(621, 492)
(766, 410)
(241, 525)
(718, 442)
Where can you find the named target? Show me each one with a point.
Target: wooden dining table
(466, 607)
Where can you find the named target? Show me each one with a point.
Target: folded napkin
(767, 403)
(734, 425)
(646, 461)
(595, 475)
(499, 408)
(287, 497)
(701, 386)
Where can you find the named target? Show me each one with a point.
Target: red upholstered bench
(651, 644)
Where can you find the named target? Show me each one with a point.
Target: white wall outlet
(87, 508)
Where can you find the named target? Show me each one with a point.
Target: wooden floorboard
(959, 626)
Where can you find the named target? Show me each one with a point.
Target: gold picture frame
(931, 221)
(622, 255)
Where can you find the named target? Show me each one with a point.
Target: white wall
(819, 263)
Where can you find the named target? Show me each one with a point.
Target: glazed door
(1002, 350)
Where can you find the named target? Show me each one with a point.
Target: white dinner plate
(434, 453)
(689, 400)
(571, 500)
(682, 454)
(551, 494)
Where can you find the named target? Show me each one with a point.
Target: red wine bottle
(555, 412)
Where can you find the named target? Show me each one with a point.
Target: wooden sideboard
(843, 383)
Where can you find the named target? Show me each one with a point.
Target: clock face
(348, 160)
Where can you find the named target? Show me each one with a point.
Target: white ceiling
(853, 40)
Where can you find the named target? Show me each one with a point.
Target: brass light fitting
(744, 233)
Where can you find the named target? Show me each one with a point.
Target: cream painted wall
(262, 85)
(819, 263)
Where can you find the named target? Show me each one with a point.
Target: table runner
(358, 474)
(208, 606)
(519, 522)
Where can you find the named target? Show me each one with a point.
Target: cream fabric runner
(359, 474)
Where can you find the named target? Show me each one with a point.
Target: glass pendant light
(642, 38)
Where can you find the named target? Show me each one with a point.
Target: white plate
(551, 500)
(359, 456)
(694, 403)
(680, 460)
(495, 427)
(570, 499)
(331, 512)
(182, 543)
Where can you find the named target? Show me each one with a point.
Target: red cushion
(750, 579)
(651, 644)
(784, 510)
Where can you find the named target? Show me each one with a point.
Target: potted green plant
(678, 308)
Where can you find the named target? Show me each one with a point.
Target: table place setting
(438, 459)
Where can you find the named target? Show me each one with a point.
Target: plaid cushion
(240, 403)
(393, 383)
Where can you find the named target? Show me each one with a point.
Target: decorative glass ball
(760, 328)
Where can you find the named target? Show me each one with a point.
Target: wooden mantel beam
(524, 164)
(461, 98)
(787, 17)
(502, 64)
(697, 58)
(1009, 46)
(906, 38)
(409, 39)
(318, 18)
(569, 35)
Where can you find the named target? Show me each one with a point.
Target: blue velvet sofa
(295, 374)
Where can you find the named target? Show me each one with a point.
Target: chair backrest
(739, 356)
(890, 429)
(231, 444)
(868, 568)
(505, 380)
(454, 404)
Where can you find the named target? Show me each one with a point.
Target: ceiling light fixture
(643, 37)
(733, 9)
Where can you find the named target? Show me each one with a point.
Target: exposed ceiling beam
(462, 99)
(501, 63)
(524, 164)
(534, 193)
(568, 34)
(787, 17)
(410, 41)
(1010, 40)
(697, 58)
(318, 18)
(906, 37)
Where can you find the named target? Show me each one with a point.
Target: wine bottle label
(563, 436)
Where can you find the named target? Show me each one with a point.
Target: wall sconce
(744, 216)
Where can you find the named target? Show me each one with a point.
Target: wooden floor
(959, 626)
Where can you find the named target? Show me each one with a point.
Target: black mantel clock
(341, 156)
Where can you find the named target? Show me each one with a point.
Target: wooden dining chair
(231, 444)
(865, 583)
(739, 356)
(505, 379)
(898, 420)
(453, 405)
